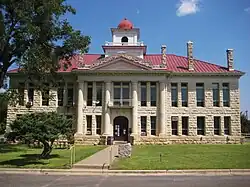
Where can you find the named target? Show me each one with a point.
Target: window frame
(184, 103)
(142, 87)
(201, 131)
(185, 130)
(227, 131)
(153, 121)
(98, 119)
(225, 87)
(217, 127)
(153, 85)
(216, 102)
(89, 93)
(21, 90)
(174, 125)
(174, 87)
(99, 85)
(200, 102)
(143, 125)
(45, 95)
(89, 124)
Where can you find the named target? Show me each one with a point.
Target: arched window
(124, 39)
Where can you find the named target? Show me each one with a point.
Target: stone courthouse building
(154, 98)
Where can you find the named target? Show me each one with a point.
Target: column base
(78, 134)
(162, 135)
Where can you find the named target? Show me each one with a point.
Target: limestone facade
(163, 111)
(153, 99)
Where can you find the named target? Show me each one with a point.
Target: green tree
(44, 127)
(35, 36)
(3, 111)
(245, 123)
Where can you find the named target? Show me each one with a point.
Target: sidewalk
(99, 160)
(203, 172)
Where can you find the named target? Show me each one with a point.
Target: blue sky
(213, 26)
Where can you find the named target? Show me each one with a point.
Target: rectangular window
(227, 123)
(99, 94)
(200, 94)
(143, 94)
(174, 94)
(121, 93)
(31, 93)
(200, 125)
(216, 125)
(225, 94)
(216, 94)
(89, 125)
(153, 93)
(98, 124)
(143, 125)
(153, 125)
(60, 93)
(45, 95)
(21, 88)
(184, 94)
(90, 94)
(184, 121)
(70, 94)
(174, 124)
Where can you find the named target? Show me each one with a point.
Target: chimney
(163, 55)
(190, 55)
(230, 60)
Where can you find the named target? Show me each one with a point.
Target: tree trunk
(46, 149)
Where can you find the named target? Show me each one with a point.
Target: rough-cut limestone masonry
(127, 95)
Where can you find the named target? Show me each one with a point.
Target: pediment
(121, 62)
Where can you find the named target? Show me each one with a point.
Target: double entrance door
(121, 128)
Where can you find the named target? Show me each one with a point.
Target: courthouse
(127, 94)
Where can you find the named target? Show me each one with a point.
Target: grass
(22, 156)
(186, 157)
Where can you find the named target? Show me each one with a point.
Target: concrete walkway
(99, 160)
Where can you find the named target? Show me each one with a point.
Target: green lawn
(24, 157)
(186, 157)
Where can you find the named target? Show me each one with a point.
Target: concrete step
(119, 142)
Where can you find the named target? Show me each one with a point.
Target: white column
(80, 108)
(106, 129)
(162, 109)
(135, 108)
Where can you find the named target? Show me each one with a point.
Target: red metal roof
(178, 64)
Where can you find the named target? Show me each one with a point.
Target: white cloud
(186, 7)
(247, 10)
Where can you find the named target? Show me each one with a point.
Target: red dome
(125, 24)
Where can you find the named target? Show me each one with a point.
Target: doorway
(121, 128)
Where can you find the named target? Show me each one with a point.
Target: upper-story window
(31, 93)
(60, 92)
(225, 94)
(174, 94)
(70, 94)
(90, 94)
(153, 93)
(216, 94)
(45, 95)
(99, 94)
(124, 39)
(143, 94)
(21, 87)
(121, 93)
(200, 94)
(184, 94)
